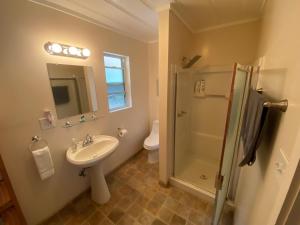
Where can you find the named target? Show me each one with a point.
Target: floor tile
(137, 199)
(160, 197)
(96, 218)
(126, 220)
(177, 220)
(171, 204)
(66, 213)
(115, 215)
(154, 206)
(80, 216)
(125, 203)
(145, 218)
(197, 217)
(158, 222)
(165, 214)
(135, 210)
(106, 221)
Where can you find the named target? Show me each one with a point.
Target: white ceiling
(139, 19)
(201, 15)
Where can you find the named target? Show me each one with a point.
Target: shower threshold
(188, 187)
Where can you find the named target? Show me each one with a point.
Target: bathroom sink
(90, 156)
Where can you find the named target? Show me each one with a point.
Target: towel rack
(281, 105)
(37, 142)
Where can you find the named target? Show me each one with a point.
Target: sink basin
(91, 157)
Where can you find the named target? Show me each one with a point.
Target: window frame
(125, 67)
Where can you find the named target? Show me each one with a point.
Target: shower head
(192, 61)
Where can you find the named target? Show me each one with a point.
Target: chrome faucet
(87, 140)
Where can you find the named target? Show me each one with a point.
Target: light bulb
(56, 48)
(86, 52)
(73, 50)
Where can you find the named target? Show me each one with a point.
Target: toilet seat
(152, 142)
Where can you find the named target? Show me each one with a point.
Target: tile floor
(136, 199)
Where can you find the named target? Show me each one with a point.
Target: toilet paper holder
(37, 142)
(122, 132)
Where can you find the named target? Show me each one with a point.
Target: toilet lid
(152, 142)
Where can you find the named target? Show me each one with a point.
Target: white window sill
(119, 109)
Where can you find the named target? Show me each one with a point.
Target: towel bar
(281, 105)
(37, 142)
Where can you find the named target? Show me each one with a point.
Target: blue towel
(253, 122)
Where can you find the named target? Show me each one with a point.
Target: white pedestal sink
(91, 157)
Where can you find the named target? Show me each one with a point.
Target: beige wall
(25, 92)
(153, 82)
(225, 46)
(262, 190)
(163, 69)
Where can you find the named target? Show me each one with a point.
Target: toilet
(151, 143)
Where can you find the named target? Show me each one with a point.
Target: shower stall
(203, 101)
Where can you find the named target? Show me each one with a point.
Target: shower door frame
(171, 156)
(191, 188)
(219, 177)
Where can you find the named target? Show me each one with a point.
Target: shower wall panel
(208, 115)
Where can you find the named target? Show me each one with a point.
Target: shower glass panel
(234, 119)
(201, 108)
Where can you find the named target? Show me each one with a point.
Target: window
(118, 81)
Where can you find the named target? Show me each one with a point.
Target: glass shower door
(202, 98)
(240, 86)
(182, 122)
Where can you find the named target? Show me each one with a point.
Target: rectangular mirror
(73, 89)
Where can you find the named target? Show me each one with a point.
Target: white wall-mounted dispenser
(47, 121)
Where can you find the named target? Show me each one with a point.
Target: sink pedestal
(100, 192)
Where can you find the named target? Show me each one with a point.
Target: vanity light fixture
(67, 50)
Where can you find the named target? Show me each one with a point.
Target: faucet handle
(89, 137)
